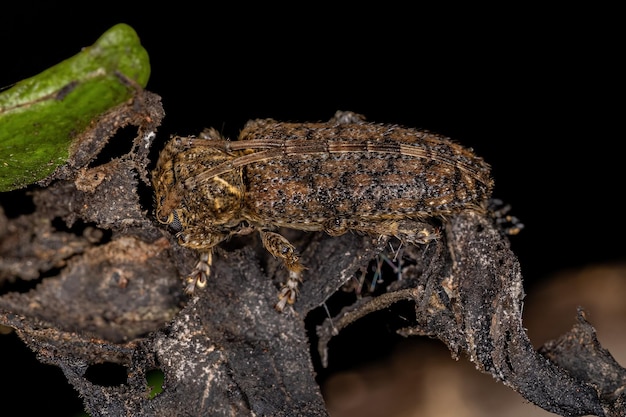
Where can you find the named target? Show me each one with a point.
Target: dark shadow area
(107, 374)
(30, 387)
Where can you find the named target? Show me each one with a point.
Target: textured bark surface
(108, 291)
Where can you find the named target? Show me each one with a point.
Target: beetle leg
(509, 224)
(199, 276)
(415, 232)
(288, 291)
(280, 247)
(408, 231)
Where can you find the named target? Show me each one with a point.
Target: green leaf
(42, 116)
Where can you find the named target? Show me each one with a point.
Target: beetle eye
(175, 222)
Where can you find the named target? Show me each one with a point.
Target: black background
(538, 93)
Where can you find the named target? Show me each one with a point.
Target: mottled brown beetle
(345, 174)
